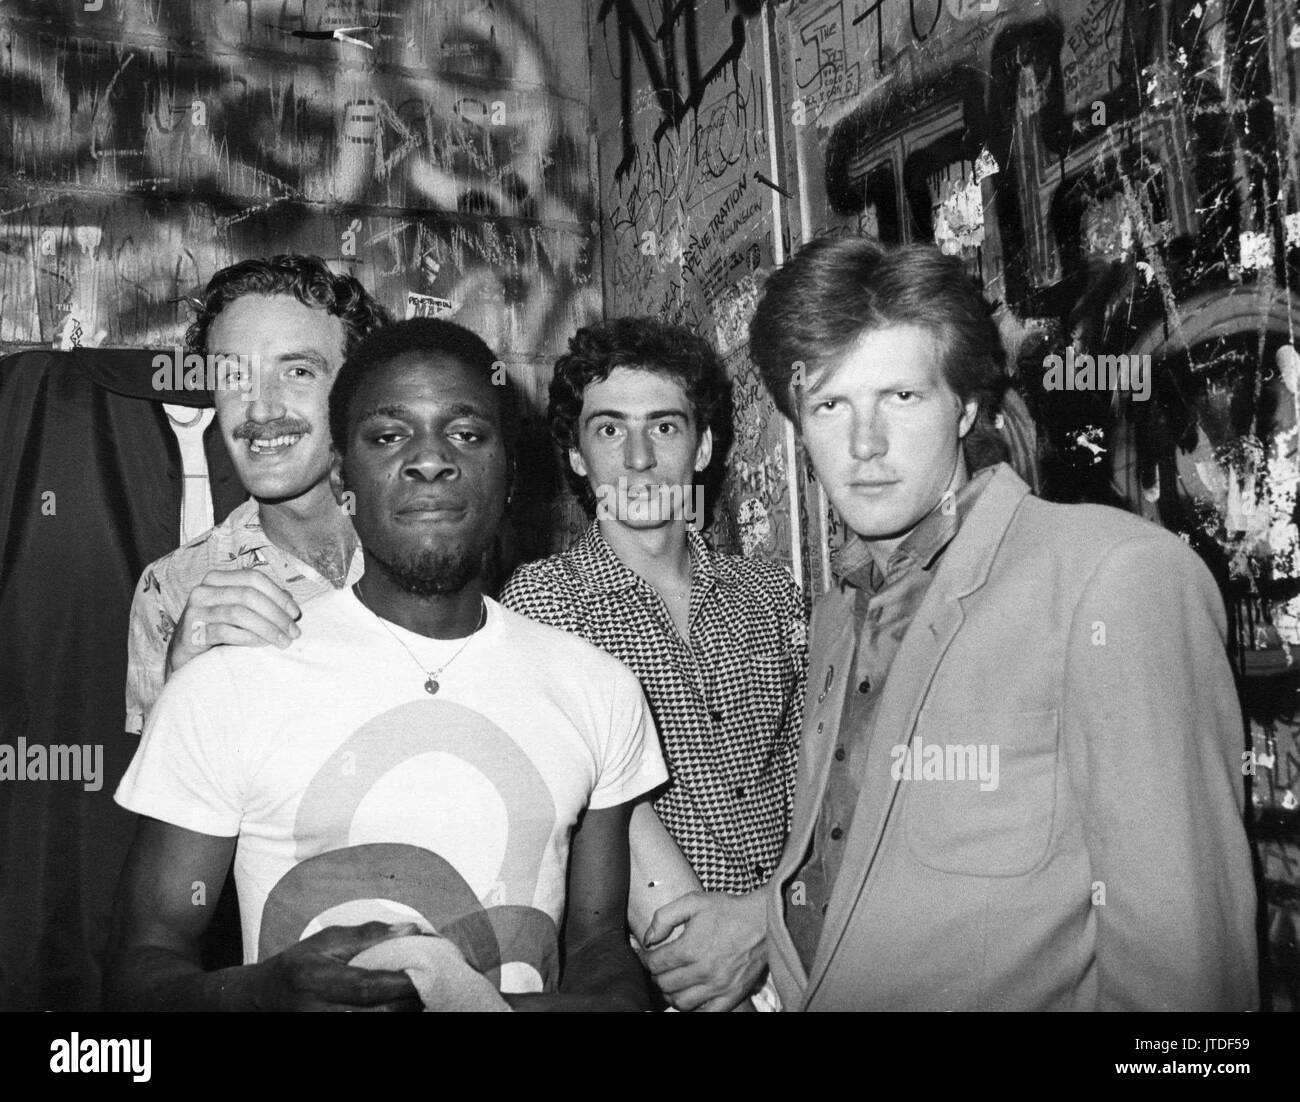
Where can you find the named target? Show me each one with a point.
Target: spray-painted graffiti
(688, 208)
(670, 55)
(436, 150)
(1121, 177)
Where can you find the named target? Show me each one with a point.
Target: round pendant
(431, 686)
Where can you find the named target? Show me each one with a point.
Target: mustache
(254, 430)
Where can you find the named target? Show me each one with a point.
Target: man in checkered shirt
(642, 410)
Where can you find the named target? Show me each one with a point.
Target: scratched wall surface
(1122, 178)
(439, 152)
(680, 99)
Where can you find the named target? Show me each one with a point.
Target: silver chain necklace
(431, 685)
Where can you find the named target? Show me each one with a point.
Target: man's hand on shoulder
(241, 608)
(720, 955)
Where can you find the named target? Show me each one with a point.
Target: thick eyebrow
(619, 415)
(405, 413)
(826, 380)
(397, 413)
(280, 357)
(467, 409)
(303, 354)
(816, 382)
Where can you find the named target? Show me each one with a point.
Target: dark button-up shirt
(884, 605)
(727, 702)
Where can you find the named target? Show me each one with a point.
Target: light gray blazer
(1109, 869)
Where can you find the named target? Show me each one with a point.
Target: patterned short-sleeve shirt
(237, 543)
(727, 705)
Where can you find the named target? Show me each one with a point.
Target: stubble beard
(432, 573)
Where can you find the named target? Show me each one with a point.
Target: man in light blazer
(1020, 783)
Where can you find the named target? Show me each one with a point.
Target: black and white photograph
(648, 505)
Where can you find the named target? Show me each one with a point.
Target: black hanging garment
(90, 493)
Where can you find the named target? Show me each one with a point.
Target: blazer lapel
(963, 570)
(831, 654)
(910, 675)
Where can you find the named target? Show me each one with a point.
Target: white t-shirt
(358, 796)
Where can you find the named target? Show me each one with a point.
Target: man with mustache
(1020, 782)
(419, 760)
(289, 320)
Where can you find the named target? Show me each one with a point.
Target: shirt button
(716, 716)
(824, 907)
(740, 792)
(836, 834)
(864, 686)
(839, 753)
(760, 871)
(820, 727)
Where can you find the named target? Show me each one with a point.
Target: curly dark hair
(646, 344)
(307, 278)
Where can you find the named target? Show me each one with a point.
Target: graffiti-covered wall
(438, 151)
(689, 202)
(1121, 177)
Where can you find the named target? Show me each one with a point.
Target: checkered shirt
(728, 705)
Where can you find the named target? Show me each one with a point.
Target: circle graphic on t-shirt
(431, 810)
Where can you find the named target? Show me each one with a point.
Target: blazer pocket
(980, 796)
